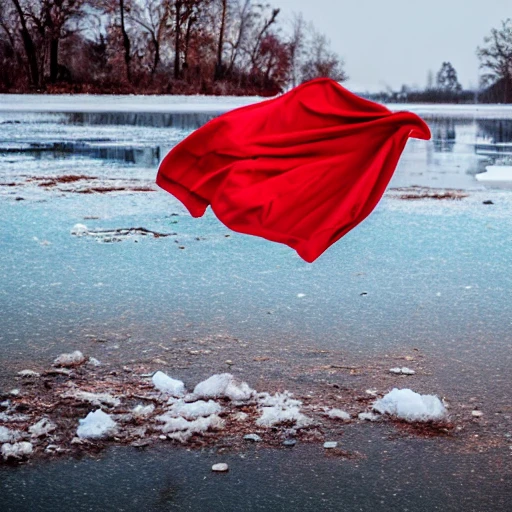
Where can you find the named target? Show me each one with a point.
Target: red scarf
(302, 169)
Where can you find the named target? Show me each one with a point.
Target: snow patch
(410, 406)
(496, 173)
(181, 429)
(281, 408)
(194, 410)
(338, 414)
(80, 230)
(9, 436)
(402, 371)
(74, 359)
(141, 412)
(95, 425)
(224, 385)
(97, 399)
(166, 384)
(42, 428)
(368, 416)
(17, 450)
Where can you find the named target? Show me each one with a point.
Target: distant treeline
(158, 46)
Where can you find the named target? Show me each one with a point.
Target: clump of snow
(410, 406)
(97, 399)
(8, 435)
(181, 429)
(281, 408)
(330, 444)
(74, 359)
(141, 412)
(240, 416)
(252, 437)
(95, 425)
(368, 416)
(28, 374)
(224, 385)
(338, 414)
(402, 371)
(79, 230)
(42, 427)
(167, 384)
(17, 450)
(496, 173)
(93, 362)
(194, 410)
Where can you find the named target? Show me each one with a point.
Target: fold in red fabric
(302, 169)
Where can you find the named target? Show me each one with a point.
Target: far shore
(216, 105)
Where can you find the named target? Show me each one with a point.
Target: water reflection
(444, 135)
(460, 147)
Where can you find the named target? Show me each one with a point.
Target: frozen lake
(422, 278)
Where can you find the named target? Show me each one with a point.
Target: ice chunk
(252, 437)
(74, 359)
(166, 384)
(278, 399)
(330, 444)
(224, 385)
(93, 362)
(79, 230)
(143, 411)
(410, 406)
(28, 374)
(17, 450)
(9, 436)
(496, 173)
(368, 416)
(96, 425)
(338, 414)
(93, 398)
(194, 410)
(402, 371)
(42, 427)
(281, 408)
(185, 429)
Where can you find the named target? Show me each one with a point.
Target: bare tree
(496, 56)
(321, 61)
(28, 44)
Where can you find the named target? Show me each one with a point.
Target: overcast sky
(393, 42)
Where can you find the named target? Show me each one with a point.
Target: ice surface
(496, 173)
(338, 414)
(74, 359)
(8, 435)
(122, 103)
(17, 450)
(96, 425)
(93, 398)
(194, 410)
(224, 385)
(42, 427)
(410, 406)
(166, 384)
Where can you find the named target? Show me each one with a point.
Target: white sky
(393, 42)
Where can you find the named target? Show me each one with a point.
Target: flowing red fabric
(302, 169)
